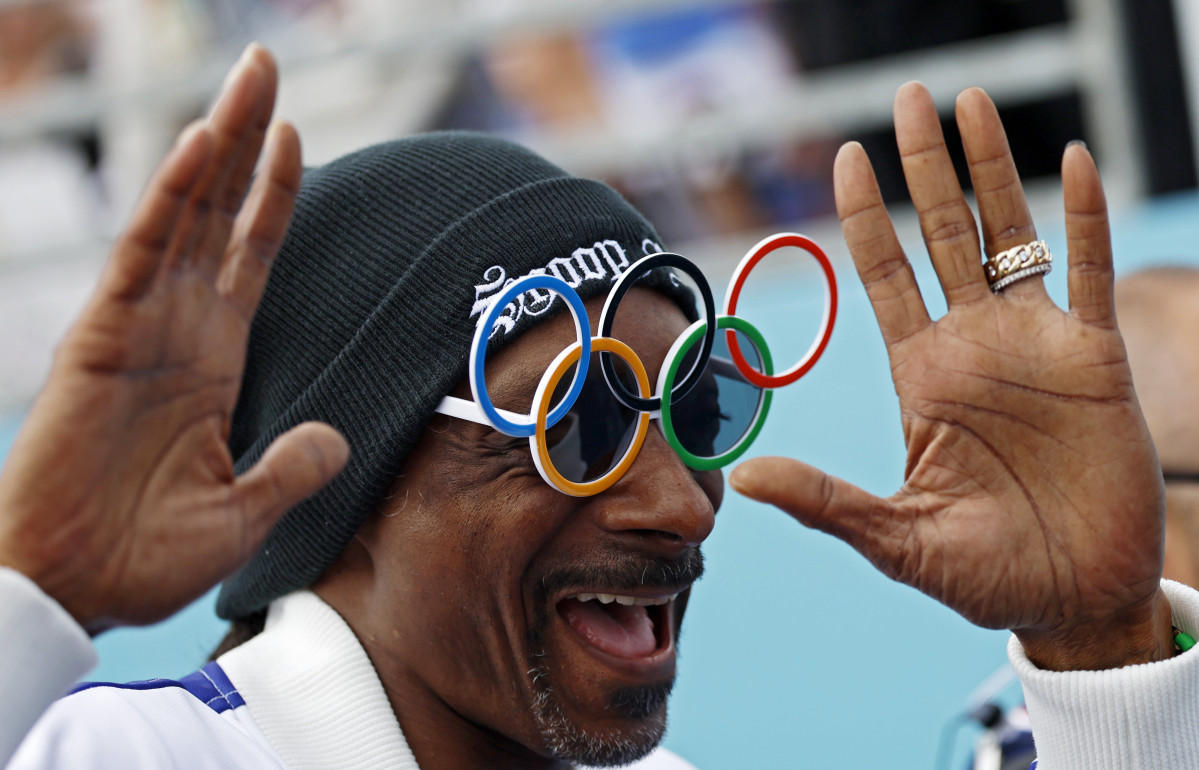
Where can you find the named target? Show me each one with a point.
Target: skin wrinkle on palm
(1085, 337)
(445, 598)
(124, 506)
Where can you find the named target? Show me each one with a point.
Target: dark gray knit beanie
(367, 318)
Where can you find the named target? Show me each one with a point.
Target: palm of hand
(1032, 499)
(987, 522)
(166, 370)
(120, 498)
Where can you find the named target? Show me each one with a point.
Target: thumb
(813, 498)
(296, 465)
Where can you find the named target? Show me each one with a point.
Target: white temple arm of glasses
(469, 410)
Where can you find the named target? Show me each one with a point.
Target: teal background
(795, 652)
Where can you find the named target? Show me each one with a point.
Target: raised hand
(1032, 497)
(119, 498)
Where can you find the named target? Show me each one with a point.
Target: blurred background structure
(720, 120)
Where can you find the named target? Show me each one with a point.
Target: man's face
(485, 598)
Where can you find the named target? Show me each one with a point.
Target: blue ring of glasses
(478, 382)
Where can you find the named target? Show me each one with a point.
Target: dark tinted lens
(595, 434)
(676, 286)
(713, 417)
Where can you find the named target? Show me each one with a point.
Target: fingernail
(1076, 143)
(248, 53)
(234, 71)
(272, 138)
(189, 133)
(736, 480)
(237, 67)
(231, 75)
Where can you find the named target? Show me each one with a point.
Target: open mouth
(621, 625)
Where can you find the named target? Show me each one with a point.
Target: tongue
(617, 629)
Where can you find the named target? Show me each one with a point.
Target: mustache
(625, 571)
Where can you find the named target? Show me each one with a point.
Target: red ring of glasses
(830, 310)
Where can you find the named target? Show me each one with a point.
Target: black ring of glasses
(645, 266)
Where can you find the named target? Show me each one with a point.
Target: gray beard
(568, 741)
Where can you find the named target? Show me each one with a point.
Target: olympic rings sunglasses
(713, 412)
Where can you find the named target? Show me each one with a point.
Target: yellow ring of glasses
(568, 359)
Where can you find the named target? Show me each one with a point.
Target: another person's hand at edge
(119, 498)
(1032, 497)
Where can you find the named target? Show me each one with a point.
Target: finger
(817, 500)
(140, 250)
(238, 122)
(229, 196)
(1002, 207)
(1088, 236)
(945, 218)
(298, 464)
(877, 255)
(263, 222)
(244, 153)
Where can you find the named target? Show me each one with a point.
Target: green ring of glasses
(696, 462)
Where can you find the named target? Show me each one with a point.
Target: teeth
(627, 601)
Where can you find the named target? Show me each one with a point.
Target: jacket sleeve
(1133, 717)
(43, 652)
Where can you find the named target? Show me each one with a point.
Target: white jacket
(304, 694)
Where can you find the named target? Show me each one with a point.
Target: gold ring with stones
(1018, 263)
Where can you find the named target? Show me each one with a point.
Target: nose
(659, 496)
